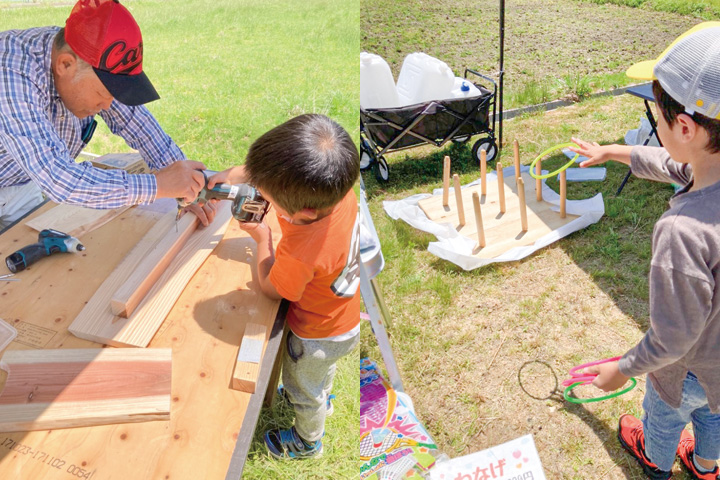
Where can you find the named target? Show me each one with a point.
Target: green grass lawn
(227, 71)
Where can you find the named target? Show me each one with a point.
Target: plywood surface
(503, 231)
(66, 388)
(203, 330)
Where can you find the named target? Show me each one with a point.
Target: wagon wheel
(366, 160)
(366, 157)
(488, 144)
(381, 169)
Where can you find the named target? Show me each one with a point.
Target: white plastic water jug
(423, 78)
(464, 88)
(377, 86)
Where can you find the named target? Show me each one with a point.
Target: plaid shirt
(40, 138)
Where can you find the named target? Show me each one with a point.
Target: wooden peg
(563, 193)
(516, 152)
(483, 172)
(446, 180)
(478, 220)
(501, 186)
(538, 182)
(458, 199)
(523, 204)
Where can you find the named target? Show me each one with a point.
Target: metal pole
(502, 73)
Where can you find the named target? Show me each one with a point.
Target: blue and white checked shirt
(40, 138)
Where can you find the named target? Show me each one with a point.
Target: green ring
(566, 393)
(549, 150)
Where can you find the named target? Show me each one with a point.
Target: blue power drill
(49, 242)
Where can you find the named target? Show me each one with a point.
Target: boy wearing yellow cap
(680, 353)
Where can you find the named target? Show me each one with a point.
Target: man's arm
(142, 132)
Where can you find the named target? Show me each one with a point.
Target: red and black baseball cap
(105, 35)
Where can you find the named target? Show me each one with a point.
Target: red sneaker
(686, 451)
(630, 434)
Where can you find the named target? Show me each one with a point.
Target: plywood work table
(211, 426)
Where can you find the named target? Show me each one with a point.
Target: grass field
(227, 71)
(480, 352)
(553, 48)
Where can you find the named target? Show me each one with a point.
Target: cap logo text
(118, 58)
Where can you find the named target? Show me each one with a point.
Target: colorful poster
(394, 445)
(514, 460)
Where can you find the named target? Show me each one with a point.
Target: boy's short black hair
(670, 109)
(307, 162)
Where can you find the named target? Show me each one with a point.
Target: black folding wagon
(436, 122)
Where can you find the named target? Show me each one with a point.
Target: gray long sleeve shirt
(684, 280)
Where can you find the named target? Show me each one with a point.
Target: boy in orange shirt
(306, 169)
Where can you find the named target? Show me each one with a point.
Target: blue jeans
(663, 424)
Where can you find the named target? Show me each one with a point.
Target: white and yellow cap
(689, 69)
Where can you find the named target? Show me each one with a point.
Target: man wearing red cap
(52, 83)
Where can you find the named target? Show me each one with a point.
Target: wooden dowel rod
(516, 152)
(501, 186)
(538, 182)
(446, 180)
(523, 204)
(563, 193)
(483, 172)
(459, 200)
(478, 220)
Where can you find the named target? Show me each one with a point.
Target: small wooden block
(516, 152)
(247, 364)
(538, 182)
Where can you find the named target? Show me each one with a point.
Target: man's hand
(181, 179)
(609, 376)
(205, 213)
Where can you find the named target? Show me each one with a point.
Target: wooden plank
(502, 231)
(74, 220)
(96, 322)
(151, 264)
(249, 357)
(50, 389)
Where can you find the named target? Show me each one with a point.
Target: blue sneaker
(287, 445)
(283, 395)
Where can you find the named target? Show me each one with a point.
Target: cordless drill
(49, 242)
(248, 205)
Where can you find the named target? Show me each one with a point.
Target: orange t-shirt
(316, 268)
